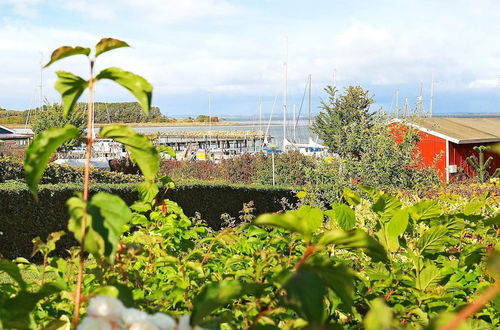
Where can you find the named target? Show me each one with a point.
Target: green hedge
(22, 219)
(11, 169)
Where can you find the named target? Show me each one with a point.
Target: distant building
(10, 137)
(445, 143)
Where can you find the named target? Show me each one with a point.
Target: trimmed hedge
(54, 173)
(22, 219)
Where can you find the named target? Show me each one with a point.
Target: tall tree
(345, 124)
(366, 143)
(52, 116)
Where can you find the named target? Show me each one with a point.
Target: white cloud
(100, 10)
(218, 46)
(170, 12)
(24, 8)
(485, 83)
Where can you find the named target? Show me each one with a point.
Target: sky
(234, 51)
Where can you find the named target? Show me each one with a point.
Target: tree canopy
(346, 124)
(366, 143)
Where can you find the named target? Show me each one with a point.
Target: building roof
(6, 130)
(462, 130)
(13, 136)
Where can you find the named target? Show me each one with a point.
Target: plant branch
(88, 155)
(474, 307)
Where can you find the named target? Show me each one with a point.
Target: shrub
(22, 218)
(11, 169)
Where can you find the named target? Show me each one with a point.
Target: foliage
(305, 268)
(13, 117)
(290, 169)
(370, 150)
(345, 123)
(105, 113)
(12, 170)
(125, 112)
(51, 116)
(481, 166)
(22, 219)
(206, 119)
(400, 267)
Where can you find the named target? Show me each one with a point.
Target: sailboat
(312, 147)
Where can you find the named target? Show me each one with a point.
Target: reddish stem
(86, 185)
(309, 251)
(474, 307)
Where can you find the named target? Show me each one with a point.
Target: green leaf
(473, 207)
(343, 214)
(15, 311)
(63, 323)
(216, 295)
(106, 216)
(70, 87)
(353, 240)
(66, 51)
(140, 206)
(147, 191)
(13, 271)
(107, 290)
(386, 203)
(94, 243)
(339, 279)
(429, 276)
(493, 221)
(40, 150)
(137, 85)
(379, 317)
(109, 214)
(167, 182)
(398, 223)
(141, 149)
(433, 240)
(426, 209)
(167, 150)
(472, 255)
(306, 220)
(351, 197)
(107, 44)
(372, 192)
(304, 294)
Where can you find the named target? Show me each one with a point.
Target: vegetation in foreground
(375, 262)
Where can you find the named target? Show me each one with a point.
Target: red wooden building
(445, 143)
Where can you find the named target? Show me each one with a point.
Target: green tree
(371, 150)
(346, 124)
(52, 116)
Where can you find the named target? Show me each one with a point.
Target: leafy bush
(11, 169)
(22, 218)
(290, 169)
(375, 263)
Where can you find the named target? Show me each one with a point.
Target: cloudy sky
(234, 50)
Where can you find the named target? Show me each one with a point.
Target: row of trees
(115, 112)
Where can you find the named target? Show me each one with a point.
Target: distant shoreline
(160, 124)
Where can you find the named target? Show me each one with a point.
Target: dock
(239, 140)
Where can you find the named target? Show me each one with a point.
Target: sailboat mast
(209, 121)
(285, 94)
(406, 108)
(260, 120)
(432, 95)
(397, 103)
(295, 124)
(310, 83)
(41, 81)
